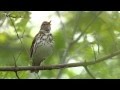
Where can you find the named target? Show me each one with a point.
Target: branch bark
(60, 66)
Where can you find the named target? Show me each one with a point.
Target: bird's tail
(36, 71)
(35, 64)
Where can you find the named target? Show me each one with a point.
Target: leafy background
(99, 32)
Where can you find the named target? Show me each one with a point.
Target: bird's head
(46, 26)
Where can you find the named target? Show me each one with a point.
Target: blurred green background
(99, 36)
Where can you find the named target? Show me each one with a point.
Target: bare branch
(77, 20)
(91, 22)
(15, 67)
(7, 15)
(94, 52)
(87, 70)
(62, 24)
(65, 53)
(17, 74)
(63, 59)
(60, 66)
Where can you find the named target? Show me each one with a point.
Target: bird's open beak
(50, 22)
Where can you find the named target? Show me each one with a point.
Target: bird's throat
(45, 31)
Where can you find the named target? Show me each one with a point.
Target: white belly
(44, 48)
(43, 51)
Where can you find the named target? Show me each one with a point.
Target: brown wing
(32, 46)
(51, 39)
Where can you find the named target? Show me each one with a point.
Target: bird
(42, 45)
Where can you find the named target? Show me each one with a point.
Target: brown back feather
(32, 46)
(33, 43)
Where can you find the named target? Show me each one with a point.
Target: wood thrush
(42, 45)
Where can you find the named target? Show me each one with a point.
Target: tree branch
(62, 24)
(60, 66)
(87, 70)
(15, 29)
(15, 67)
(86, 28)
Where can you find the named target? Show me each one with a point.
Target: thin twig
(63, 59)
(62, 24)
(17, 75)
(7, 15)
(84, 31)
(15, 67)
(94, 52)
(64, 55)
(97, 42)
(18, 34)
(77, 20)
(87, 70)
(19, 55)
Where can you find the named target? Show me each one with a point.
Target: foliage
(99, 37)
